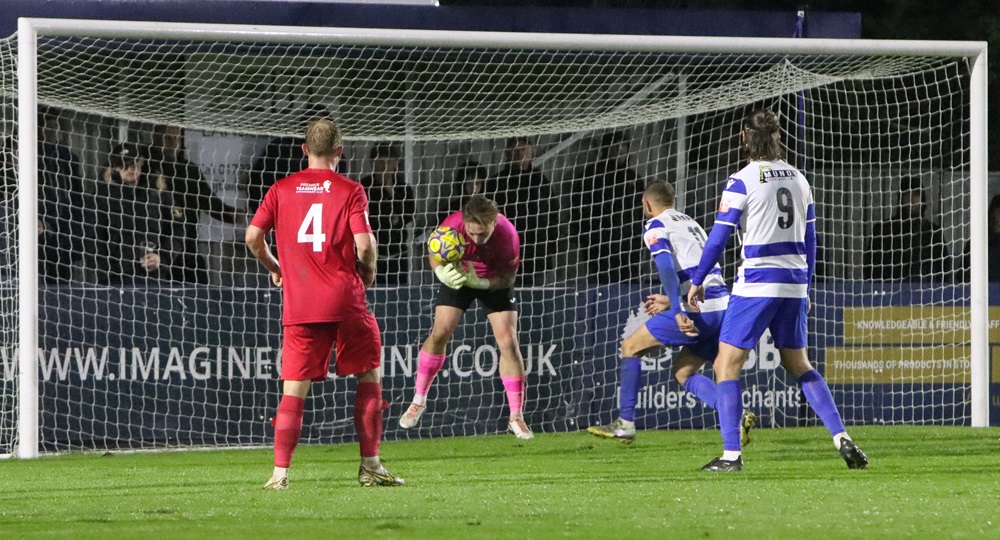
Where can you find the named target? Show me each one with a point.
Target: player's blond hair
(323, 138)
(762, 141)
(480, 210)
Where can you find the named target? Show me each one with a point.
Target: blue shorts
(747, 318)
(664, 328)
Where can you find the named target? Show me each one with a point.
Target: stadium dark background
(977, 20)
(974, 20)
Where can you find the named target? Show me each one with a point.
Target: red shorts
(307, 348)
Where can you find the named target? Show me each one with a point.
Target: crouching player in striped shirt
(675, 242)
(773, 204)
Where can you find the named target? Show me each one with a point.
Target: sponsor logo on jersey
(652, 238)
(776, 174)
(308, 187)
(764, 169)
(724, 205)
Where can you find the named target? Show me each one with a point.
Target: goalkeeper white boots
(412, 415)
(519, 427)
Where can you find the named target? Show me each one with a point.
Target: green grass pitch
(923, 482)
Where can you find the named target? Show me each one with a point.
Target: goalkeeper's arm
(473, 281)
(451, 274)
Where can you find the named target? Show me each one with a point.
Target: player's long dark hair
(763, 136)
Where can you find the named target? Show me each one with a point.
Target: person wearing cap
(907, 246)
(129, 213)
(391, 206)
(188, 195)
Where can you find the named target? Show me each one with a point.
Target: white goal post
(837, 61)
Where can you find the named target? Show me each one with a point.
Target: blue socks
(702, 387)
(730, 405)
(628, 392)
(818, 395)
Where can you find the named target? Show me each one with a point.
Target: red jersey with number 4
(315, 215)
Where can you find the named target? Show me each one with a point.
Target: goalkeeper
(676, 242)
(486, 272)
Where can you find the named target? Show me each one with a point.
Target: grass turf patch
(922, 482)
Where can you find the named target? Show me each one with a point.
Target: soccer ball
(446, 244)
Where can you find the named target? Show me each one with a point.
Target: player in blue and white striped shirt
(772, 202)
(675, 241)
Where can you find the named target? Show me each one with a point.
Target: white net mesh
(157, 329)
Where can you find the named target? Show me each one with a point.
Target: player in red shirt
(319, 219)
(486, 273)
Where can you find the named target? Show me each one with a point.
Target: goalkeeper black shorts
(493, 300)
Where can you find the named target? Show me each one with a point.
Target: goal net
(155, 143)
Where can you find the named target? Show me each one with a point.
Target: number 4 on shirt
(311, 230)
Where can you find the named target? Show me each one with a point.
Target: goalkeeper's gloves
(451, 276)
(472, 280)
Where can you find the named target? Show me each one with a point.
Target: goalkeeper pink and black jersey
(500, 255)
(315, 215)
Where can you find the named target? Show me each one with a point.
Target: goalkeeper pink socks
(428, 366)
(287, 429)
(368, 407)
(514, 385)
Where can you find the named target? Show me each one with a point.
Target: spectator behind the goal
(129, 214)
(188, 195)
(908, 246)
(992, 242)
(391, 207)
(283, 156)
(607, 212)
(524, 195)
(8, 212)
(470, 179)
(60, 201)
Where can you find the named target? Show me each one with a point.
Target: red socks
(368, 407)
(287, 429)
